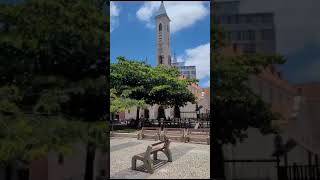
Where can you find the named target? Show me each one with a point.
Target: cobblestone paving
(190, 161)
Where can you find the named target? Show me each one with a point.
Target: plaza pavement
(190, 161)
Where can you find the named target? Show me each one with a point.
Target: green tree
(122, 102)
(152, 85)
(235, 106)
(54, 53)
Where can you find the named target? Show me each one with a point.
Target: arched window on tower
(160, 60)
(160, 27)
(168, 28)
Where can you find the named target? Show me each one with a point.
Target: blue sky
(133, 34)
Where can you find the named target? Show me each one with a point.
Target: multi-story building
(186, 71)
(254, 33)
(246, 32)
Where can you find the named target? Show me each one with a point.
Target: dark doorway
(176, 112)
(146, 114)
(161, 113)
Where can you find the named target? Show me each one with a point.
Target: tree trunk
(138, 113)
(218, 161)
(138, 116)
(8, 172)
(89, 171)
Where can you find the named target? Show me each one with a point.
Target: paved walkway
(190, 161)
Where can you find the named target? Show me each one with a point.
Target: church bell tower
(163, 36)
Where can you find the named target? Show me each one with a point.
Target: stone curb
(132, 135)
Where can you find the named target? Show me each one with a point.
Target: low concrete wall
(115, 134)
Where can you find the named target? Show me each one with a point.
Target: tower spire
(146, 61)
(161, 10)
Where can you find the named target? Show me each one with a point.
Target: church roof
(161, 10)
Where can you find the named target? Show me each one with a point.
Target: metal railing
(299, 172)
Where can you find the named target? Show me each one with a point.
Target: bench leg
(155, 156)
(149, 165)
(167, 152)
(133, 163)
(187, 140)
(161, 138)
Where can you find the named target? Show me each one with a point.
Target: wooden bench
(202, 134)
(153, 149)
(153, 132)
(174, 133)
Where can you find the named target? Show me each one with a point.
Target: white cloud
(199, 57)
(207, 84)
(114, 14)
(181, 14)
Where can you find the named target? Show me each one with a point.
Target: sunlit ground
(189, 160)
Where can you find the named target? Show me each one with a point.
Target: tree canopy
(152, 85)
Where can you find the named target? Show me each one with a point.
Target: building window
(160, 27)
(169, 59)
(236, 19)
(238, 35)
(228, 36)
(249, 19)
(168, 28)
(160, 60)
(229, 19)
(267, 34)
(266, 18)
(251, 35)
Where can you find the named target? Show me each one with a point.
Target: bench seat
(202, 134)
(174, 133)
(149, 132)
